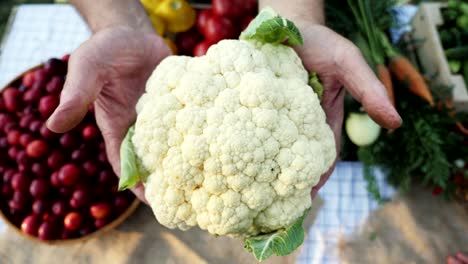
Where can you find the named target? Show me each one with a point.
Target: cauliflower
(232, 141)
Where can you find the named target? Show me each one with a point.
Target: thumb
(81, 88)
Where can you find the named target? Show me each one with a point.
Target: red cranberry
(13, 137)
(30, 225)
(39, 188)
(55, 85)
(86, 231)
(40, 207)
(3, 143)
(20, 182)
(73, 221)
(121, 203)
(90, 168)
(81, 197)
(12, 99)
(59, 208)
(8, 175)
(55, 160)
(106, 177)
(48, 230)
(25, 139)
(28, 79)
(102, 157)
(35, 126)
(47, 105)
(32, 95)
(37, 148)
(13, 152)
(47, 133)
(40, 169)
(26, 120)
(68, 141)
(100, 223)
(7, 191)
(69, 174)
(55, 67)
(90, 132)
(54, 180)
(100, 210)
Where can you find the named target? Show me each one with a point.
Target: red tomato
(219, 28)
(245, 22)
(201, 48)
(186, 41)
(202, 18)
(228, 8)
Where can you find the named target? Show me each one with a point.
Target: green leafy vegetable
(269, 27)
(281, 243)
(129, 173)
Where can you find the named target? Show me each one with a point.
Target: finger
(333, 106)
(81, 88)
(452, 260)
(463, 257)
(359, 79)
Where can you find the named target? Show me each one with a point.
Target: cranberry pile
(53, 186)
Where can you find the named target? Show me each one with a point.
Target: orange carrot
(403, 70)
(386, 79)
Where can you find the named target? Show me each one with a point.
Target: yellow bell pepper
(171, 45)
(158, 23)
(150, 5)
(178, 14)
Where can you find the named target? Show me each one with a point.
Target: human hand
(459, 258)
(340, 65)
(109, 70)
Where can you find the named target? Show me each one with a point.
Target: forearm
(296, 10)
(102, 14)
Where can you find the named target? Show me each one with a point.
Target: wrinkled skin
(111, 68)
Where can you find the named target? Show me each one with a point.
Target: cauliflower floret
(233, 141)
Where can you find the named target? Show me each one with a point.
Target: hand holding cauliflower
(233, 141)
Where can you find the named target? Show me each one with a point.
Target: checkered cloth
(39, 32)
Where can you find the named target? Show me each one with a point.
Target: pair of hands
(111, 68)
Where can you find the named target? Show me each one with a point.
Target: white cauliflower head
(233, 141)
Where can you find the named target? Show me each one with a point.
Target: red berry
(69, 174)
(65, 192)
(47, 133)
(67, 234)
(30, 225)
(100, 223)
(13, 137)
(59, 208)
(121, 203)
(48, 230)
(37, 148)
(102, 157)
(40, 79)
(201, 48)
(86, 231)
(35, 126)
(40, 207)
(7, 191)
(79, 155)
(66, 57)
(90, 168)
(55, 160)
(22, 158)
(73, 221)
(68, 140)
(55, 67)
(100, 210)
(3, 143)
(40, 169)
(32, 95)
(74, 204)
(54, 180)
(12, 99)
(81, 197)
(186, 41)
(19, 201)
(90, 132)
(55, 85)
(106, 177)
(20, 182)
(47, 105)
(25, 139)
(13, 152)
(28, 79)
(8, 175)
(26, 120)
(39, 188)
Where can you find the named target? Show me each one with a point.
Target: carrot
(386, 79)
(403, 70)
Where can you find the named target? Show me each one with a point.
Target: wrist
(301, 12)
(104, 14)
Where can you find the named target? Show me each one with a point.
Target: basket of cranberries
(55, 188)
